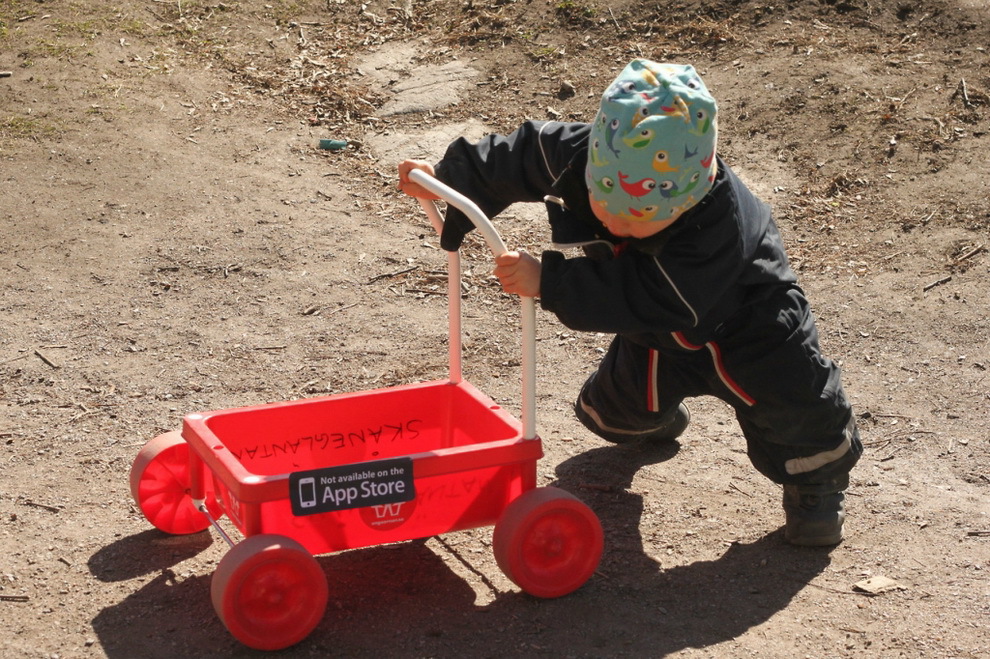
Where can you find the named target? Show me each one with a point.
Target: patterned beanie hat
(651, 151)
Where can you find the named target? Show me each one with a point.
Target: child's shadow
(635, 606)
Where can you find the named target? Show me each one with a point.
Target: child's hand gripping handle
(465, 205)
(495, 244)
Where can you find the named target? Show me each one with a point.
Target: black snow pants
(766, 364)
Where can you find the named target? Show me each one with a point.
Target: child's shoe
(814, 518)
(670, 428)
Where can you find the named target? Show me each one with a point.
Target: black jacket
(688, 284)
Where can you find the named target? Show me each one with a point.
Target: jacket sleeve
(501, 170)
(692, 281)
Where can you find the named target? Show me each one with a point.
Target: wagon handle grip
(468, 207)
(497, 246)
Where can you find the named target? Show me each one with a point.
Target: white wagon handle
(495, 244)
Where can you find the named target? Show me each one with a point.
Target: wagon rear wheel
(548, 542)
(269, 592)
(160, 486)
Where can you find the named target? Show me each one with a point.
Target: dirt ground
(174, 240)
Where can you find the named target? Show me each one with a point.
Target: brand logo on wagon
(388, 516)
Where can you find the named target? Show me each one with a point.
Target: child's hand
(519, 273)
(414, 189)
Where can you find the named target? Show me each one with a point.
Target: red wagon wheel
(160, 486)
(269, 592)
(548, 542)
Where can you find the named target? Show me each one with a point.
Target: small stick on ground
(905, 97)
(943, 280)
(596, 487)
(346, 306)
(970, 254)
(833, 590)
(737, 489)
(389, 275)
(964, 92)
(613, 19)
(44, 506)
(45, 359)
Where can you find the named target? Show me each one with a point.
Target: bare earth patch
(174, 240)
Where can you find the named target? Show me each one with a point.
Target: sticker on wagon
(359, 485)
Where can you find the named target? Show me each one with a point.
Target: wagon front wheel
(160, 483)
(548, 542)
(269, 592)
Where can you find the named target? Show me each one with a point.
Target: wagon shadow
(145, 553)
(404, 591)
(406, 598)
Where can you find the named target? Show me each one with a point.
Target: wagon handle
(497, 246)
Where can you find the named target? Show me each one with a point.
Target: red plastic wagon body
(352, 470)
(468, 457)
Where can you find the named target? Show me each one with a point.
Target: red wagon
(325, 474)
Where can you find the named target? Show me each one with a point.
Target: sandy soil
(174, 241)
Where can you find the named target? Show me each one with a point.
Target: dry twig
(346, 306)
(943, 280)
(737, 489)
(961, 90)
(389, 275)
(44, 506)
(970, 254)
(833, 590)
(45, 359)
(613, 19)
